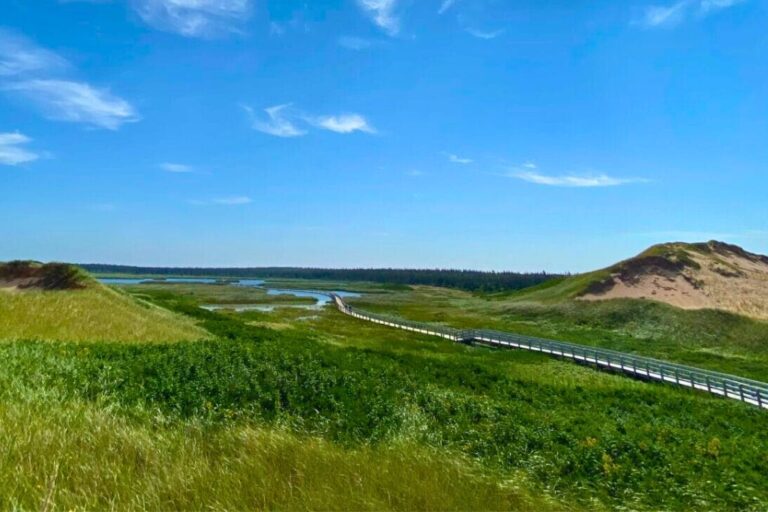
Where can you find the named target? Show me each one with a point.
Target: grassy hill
(711, 275)
(61, 302)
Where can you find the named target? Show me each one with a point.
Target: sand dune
(692, 276)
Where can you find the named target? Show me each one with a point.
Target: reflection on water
(204, 280)
(249, 282)
(120, 280)
(146, 280)
(267, 308)
(321, 299)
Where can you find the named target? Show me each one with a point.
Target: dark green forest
(472, 280)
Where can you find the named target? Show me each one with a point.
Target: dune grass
(95, 313)
(79, 456)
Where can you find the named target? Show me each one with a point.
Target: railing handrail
(732, 386)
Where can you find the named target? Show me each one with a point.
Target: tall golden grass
(84, 457)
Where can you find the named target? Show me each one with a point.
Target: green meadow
(302, 409)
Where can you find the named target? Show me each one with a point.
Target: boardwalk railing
(729, 386)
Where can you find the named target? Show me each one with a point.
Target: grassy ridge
(591, 439)
(95, 313)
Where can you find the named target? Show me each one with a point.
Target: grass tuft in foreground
(78, 455)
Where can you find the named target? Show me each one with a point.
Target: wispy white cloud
(579, 181)
(232, 201)
(279, 121)
(665, 16)
(354, 43)
(343, 123)
(20, 56)
(382, 13)
(76, 102)
(456, 159)
(26, 69)
(286, 121)
(10, 151)
(445, 5)
(661, 16)
(194, 18)
(484, 34)
(176, 168)
(714, 5)
(222, 201)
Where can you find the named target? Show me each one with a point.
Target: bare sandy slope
(727, 278)
(13, 285)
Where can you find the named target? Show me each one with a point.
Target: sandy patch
(725, 281)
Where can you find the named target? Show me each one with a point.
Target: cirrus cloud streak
(660, 16)
(194, 18)
(572, 180)
(286, 121)
(10, 151)
(79, 102)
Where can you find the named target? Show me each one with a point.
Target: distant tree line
(472, 280)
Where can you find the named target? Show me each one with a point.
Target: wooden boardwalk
(729, 386)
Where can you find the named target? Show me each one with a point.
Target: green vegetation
(217, 293)
(94, 313)
(557, 290)
(334, 412)
(297, 409)
(711, 339)
(76, 455)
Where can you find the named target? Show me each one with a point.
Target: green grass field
(96, 313)
(329, 412)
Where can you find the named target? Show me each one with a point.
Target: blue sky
(520, 135)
